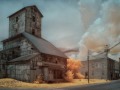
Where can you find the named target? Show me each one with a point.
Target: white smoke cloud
(89, 10)
(105, 29)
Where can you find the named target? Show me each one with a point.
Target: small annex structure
(26, 54)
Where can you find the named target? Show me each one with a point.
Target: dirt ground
(12, 83)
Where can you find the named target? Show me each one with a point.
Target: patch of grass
(12, 83)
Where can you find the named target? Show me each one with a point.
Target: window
(16, 19)
(57, 74)
(56, 62)
(32, 48)
(13, 52)
(33, 18)
(33, 31)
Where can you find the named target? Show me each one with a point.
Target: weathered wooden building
(101, 68)
(26, 54)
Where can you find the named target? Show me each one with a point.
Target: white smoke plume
(104, 29)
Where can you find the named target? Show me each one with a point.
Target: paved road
(114, 85)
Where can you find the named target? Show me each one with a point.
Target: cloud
(89, 11)
(104, 30)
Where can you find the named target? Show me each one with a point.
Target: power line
(107, 49)
(114, 46)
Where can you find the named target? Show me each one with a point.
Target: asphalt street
(114, 85)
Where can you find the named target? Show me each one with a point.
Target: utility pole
(119, 67)
(88, 66)
(107, 50)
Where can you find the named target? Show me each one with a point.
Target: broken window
(32, 48)
(13, 52)
(33, 31)
(33, 18)
(16, 19)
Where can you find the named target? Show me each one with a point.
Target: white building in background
(101, 68)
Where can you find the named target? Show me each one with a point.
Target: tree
(69, 76)
(73, 70)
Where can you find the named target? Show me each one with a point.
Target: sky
(82, 24)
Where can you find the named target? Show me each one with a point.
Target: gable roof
(24, 9)
(43, 45)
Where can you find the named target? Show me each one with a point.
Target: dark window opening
(33, 31)
(13, 52)
(32, 48)
(57, 74)
(56, 62)
(16, 19)
(33, 18)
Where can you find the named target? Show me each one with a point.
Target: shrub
(69, 76)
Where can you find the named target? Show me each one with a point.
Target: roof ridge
(25, 8)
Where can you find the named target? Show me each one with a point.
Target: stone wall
(19, 72)
(55, 67)
(26, 47)
(33, 22)
(97, 69)
(17, 47)
(17, 24)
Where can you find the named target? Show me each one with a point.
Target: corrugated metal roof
(44, 46)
